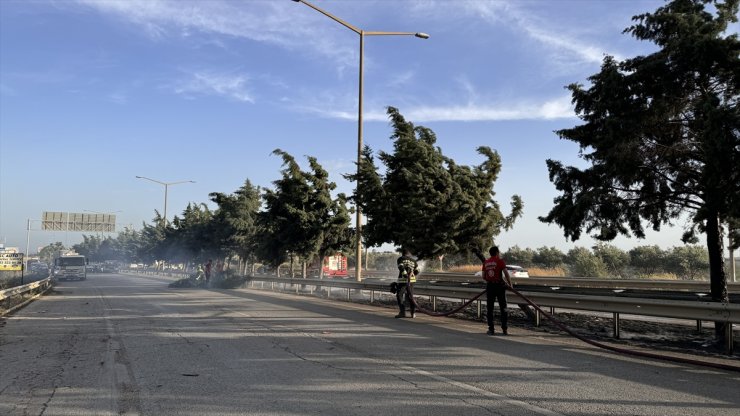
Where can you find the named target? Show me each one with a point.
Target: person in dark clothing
(497, 278)
(408, 269)
(208, 267)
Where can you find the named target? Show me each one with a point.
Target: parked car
(514, 271)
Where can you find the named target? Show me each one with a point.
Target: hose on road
(572, 333)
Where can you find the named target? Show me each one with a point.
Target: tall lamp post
(166, 186)
(362, 33)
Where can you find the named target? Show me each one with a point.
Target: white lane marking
(500, 398)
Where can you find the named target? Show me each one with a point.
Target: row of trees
(689, 262)
(423, 201)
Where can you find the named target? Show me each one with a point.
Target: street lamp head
(421, 35)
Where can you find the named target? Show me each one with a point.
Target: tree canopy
(661, 133)
(235, 220)
(424, 201)
(300, 217)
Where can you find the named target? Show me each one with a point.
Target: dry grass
(659, 276)
(467, 268)
(546, 271)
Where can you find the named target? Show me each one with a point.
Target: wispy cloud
(562, 42)
(556, 108)
(209, 83)
(282, 23)
(400, 79)
(295, 27)
(548, 110)
(118, 97)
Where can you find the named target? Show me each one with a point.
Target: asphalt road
(118, 344)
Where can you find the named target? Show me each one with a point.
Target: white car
(514, 271)
(517, 271)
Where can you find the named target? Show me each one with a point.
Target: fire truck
(332, 266)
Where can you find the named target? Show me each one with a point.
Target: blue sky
(93, 93)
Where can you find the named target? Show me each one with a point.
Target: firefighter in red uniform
(497, 278)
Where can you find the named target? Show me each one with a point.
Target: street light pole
(28, 237)
(166, 186)
(362, 33)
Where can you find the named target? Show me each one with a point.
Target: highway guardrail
(677, 309)
(12, 299)
(578, 282)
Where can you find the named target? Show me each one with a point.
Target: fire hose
(572, 333)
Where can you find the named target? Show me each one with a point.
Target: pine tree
(662, 135)
(424, 201)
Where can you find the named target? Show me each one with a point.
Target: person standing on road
(219, 269)
(208, 271)
(408, 269)
(200, 275)
(497, 278)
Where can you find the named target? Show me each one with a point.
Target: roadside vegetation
(438, 208)
(688, 262)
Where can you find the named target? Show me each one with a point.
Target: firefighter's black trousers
(496, 291)
(402, 296)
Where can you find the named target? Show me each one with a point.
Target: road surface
(129, 345)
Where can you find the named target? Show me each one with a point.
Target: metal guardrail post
(537, 318)
(480, 308)
(729, 335)
(615, 325)
(349, 292)
(698, 325)
(434, 303)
